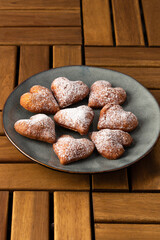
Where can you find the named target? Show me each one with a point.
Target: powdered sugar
(68, 92)
(41, 100)
(110, 143)
(78, 119)
(39, 126)
(102, 93)
(114, 117)
(69, 149)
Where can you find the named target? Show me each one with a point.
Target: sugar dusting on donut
(68, 92)
(75, 118)
(69, 148)
(114, 117)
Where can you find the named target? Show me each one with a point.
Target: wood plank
(151, 10)
(126, 207)
(40, 18)
(39, 4)
(97, 22)
(145, 173)
(40, 35)
(9, 153)
(66, 55)
(35, 177)
(8, 71)
(1, 124)
(127, 231)
(71, 216)
(30, 217)
(119, 57)
(156, 94)
(127, 23)
(110, 181)
(4, 197)
(149, 77)
(33, 59)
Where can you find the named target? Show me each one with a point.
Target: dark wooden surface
(40, 203)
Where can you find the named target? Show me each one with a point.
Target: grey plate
(139, 101)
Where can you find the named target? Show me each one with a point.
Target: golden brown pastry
(69, 149)
(39, 127)
(113, 116)
(77, 119)
(39, 100)
(109, 143)
(102, 93)
(68, 92)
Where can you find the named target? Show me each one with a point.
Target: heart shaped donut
(39, 100)
(77, 119)
(39, 127)
(69, 149)
(109, 143)
(68, 92)
(102, 93)
(113, 116)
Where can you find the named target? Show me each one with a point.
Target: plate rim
(69, 171)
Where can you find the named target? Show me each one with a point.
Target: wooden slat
(71, 216)
(33, 59)
(126, 207)
(145, 174)
(40, 35)
(1, 125)
(97, 22)
(149, 76)
(37, 4)
(8, 153)
(151, 10)
(156, 94)
(111, 181)
(4, 196)
(35, 177)
(66, 55)
(119, 57)
(40, 18)
(127, 23)
(7, 71)
(30, 217)
(127, 231)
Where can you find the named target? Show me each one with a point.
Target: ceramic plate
(139, 101)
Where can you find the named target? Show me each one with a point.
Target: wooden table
(39, 203)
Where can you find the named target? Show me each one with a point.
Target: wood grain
(8, 153)
(110, 181)
(35, 177)
(1, 124)
(97, 22)
(149, 76)
(119, 57)
(71, 216)
(40, 4)
(156, 94)
(8, 71)
(30, 217)
(126, 207)
(151, 10)
(145, 173)
(127, 231)
(127, 23)
(4, 197)
(66, 55)
(40, 35)
(40, 18)
(33, 59)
